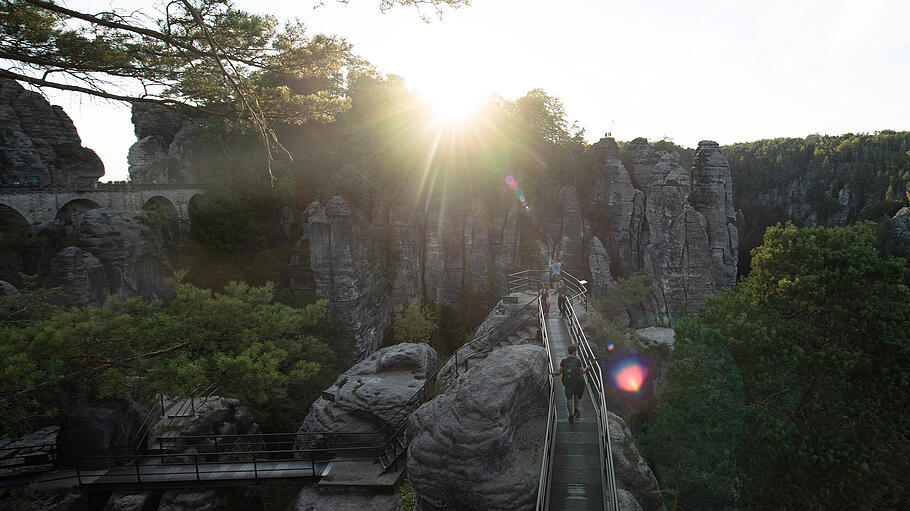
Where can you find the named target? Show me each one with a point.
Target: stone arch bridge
(45, 203)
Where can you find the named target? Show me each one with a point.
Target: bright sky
(722, 70)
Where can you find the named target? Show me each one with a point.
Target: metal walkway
(577, 482)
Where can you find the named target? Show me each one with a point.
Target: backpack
(571, 372)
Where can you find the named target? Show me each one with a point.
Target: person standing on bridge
(557, 267)
(545, 303)
(573, 380)
(562, 301)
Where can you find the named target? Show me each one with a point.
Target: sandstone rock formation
(632, 472)
(899, 224)
(477, 445)
(167, 147)
(98, 253)
(343, 273)
(39, 144)
(371, 393)
(676, 226)
(222, 421)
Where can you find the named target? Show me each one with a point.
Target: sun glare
(452, 102)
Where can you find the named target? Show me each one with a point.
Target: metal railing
(535, 280)
(596, 383)
(546, 468)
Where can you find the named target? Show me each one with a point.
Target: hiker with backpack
(573, 380)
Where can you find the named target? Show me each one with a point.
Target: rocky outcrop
(371, 393)
(311, 499)
(98, 253)
(712, 196)
(678, 225)
(167, 147)
(611, 203)
(222, 422)
(99, 429)
(35, 444)
(80, 275)
(7, 289)
(348, 274)
(899, 225)
(146, 501)
(632, 472)
(477, 445)
(39, 143)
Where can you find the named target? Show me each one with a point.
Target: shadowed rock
(477, 445)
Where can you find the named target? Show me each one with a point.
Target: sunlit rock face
(39, 143)
(167, 147)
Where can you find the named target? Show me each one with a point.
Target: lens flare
(610, 346)
(629, 375)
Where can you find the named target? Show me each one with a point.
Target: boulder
(7, 289)
(632, 472)
(37, 443)
(145, 501)
(477, 445)
(99, 430)
(371, 393)
(311, 499)
(218, 419)
(51, 501)
(656, 335)
(39, 143)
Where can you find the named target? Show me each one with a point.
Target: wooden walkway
(577, 481)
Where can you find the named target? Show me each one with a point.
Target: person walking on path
(562, 301)
(544, 303)
(557, 267)
(573, 380)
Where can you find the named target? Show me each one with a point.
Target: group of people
(562, 292)
(570, 368)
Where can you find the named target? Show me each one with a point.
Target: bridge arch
(196, 201)
(75, 207)
(161, 206)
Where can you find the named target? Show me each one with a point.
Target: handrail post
(196, 464)
(138, 473)
(255, 469)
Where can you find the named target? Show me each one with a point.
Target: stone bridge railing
(42, 203)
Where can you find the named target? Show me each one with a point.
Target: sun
(452, 102)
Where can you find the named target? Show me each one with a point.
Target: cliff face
(167, 147)
(674, 224)
(39, 144)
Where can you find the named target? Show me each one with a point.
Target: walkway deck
(577, 482)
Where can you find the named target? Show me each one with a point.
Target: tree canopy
(817, 341)
(275, 358)
(201, 56)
